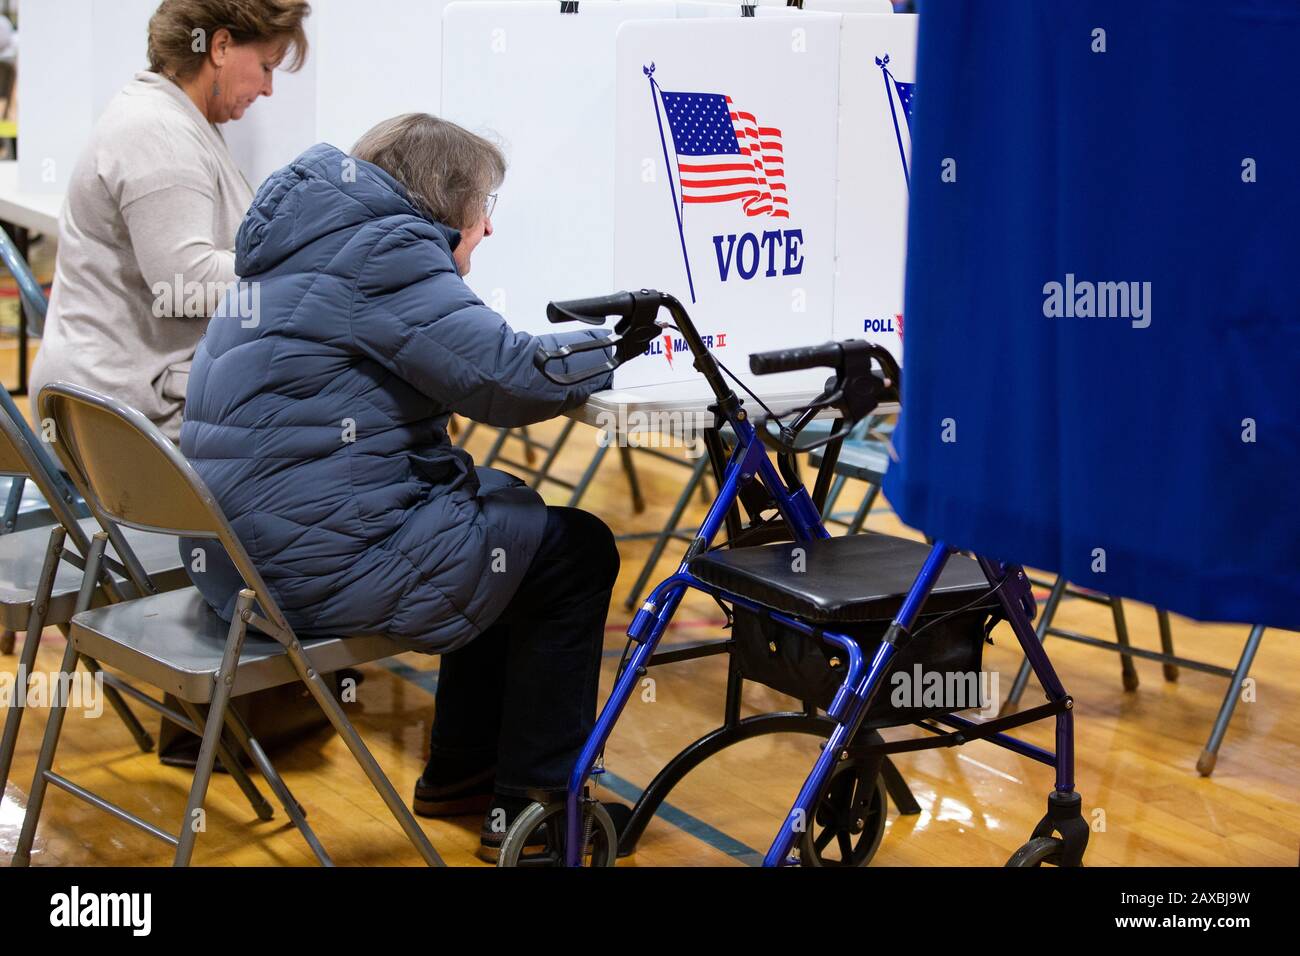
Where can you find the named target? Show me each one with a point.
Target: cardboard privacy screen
(540, 83)
(877, 79)
(725, 181)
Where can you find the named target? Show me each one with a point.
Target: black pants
(522, 694)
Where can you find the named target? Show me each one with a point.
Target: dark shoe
(456, 798)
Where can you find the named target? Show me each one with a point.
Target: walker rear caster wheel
(7, 641)
(1038, 851)
(849, 822)
(519, 849)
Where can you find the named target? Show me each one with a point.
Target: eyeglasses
(490, 205)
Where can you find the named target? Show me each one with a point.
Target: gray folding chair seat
(175, 642)
(21, 556)
(131, 476)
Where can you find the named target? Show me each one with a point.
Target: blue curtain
(1102, 316)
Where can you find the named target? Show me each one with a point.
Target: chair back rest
(24, 455)
(131, 474)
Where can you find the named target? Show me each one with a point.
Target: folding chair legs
(554, 451)
(233, 765)
(584, 482)
(235, 723)
(59, 706)
(27, 660)
(869, 499)
(495, 450)
(334, 711)
(1166, 643)
(36, 797)
(1210, 755)
(833, 496)
(143, 739)
(1127, 671)
(633, 481)
(629, 470)
(225, 679)
(697, 475)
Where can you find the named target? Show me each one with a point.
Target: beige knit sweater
(145, 251)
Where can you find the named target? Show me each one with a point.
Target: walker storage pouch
(949, 653)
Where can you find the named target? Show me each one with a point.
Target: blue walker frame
(749, 462)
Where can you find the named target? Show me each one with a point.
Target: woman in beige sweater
(147, 234)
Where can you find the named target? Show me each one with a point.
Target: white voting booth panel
(369, 60)
(874, 161)
(752, 279)
(726, 9)
(541, 84)
(76, 55)
(767, 8)
(849, 6)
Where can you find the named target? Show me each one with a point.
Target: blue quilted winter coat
(321, 426)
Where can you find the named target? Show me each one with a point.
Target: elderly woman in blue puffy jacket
(318, 419)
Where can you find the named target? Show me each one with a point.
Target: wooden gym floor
(1136, 751)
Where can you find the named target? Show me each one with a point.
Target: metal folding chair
(40, 577)
(539, 474)
(1170, 661)
(131, 476)
(22, 510)
(863, 458)
(30, 294)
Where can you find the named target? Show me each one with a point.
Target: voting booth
(877, 78)
(77, 55)
(540, 83)
(611, 184)
(725, 191)
(334, 98)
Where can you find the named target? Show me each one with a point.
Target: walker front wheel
(849, 821)
(1038, 851)
(601, 847)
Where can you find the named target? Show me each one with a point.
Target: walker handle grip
(830, 354)
(593, 311)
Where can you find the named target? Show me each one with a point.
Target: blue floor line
(704, 832)
(427, 680)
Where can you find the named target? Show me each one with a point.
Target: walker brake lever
(635, 330)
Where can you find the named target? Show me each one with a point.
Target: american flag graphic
(724, 155)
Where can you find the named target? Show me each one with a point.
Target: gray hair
(447, 170)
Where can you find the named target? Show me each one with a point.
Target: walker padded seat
(175, 641)
(22, 554)
(851, 579)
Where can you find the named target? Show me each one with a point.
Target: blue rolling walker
(825, 620)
